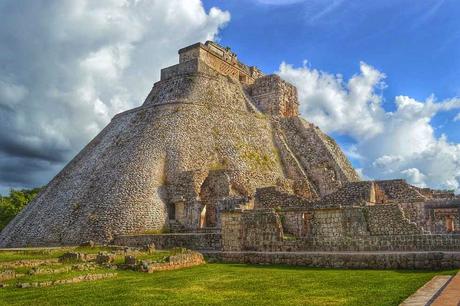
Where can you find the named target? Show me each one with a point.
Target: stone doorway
(172, 211)
(214, 188)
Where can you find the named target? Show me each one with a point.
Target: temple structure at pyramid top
(219, 58)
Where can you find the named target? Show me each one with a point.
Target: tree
(11, 205)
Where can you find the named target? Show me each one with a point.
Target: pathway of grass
(229, 284)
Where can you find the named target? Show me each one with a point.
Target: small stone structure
(217, 158)
(182, 260)
(73, 280)
(361, 216)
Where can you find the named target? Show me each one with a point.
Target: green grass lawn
(231, 284)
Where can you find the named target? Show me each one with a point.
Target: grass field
(231, 284)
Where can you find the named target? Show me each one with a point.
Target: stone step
(450, 295)
(427, 292)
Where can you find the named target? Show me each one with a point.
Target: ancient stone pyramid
(210, 129)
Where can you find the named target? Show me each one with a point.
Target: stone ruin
(217, 157)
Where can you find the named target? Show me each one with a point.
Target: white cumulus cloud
(394, 144)
(68, 66)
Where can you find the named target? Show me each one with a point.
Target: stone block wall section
(273, 96)
(389, 219)
(220, 59)
(251, 230)
(349, 260)
(368, 228)
(386, 243)
(323, 162)
(400, 191)
(276, 197)
(441, 215)
(179, 261)
(193, 241)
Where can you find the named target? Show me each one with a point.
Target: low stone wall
(376, 243)
(350, 260)
(7, 275)
(178, 261)
(73, 280)
(27, 263)
(193, 241)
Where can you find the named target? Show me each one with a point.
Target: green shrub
(12, 204)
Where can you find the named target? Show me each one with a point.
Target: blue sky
(415, 43)
(382, 77)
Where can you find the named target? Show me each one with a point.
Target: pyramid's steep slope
(195, 122)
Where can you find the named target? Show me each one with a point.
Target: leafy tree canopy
(12, 204)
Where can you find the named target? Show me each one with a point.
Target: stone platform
(431, 260)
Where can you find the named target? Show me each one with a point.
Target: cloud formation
(394, 144)
(69, 66)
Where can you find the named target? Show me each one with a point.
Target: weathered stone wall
(400, 243)
(379, 227)
(400, 192)
(415, 211)
(178, 261)
(187, 68)
(200, 89)
(353, 193)
(232, 230)
(221, 59)
(397, 260)
(335, 223)
(194, 241)
(294, 223)
(251, 230)
(328, 223)
(421, 242)
(275, 97)
(436, 216)
(389, 219)
(261, 229)
(320, 157)
(445, 220)
(276, 197)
